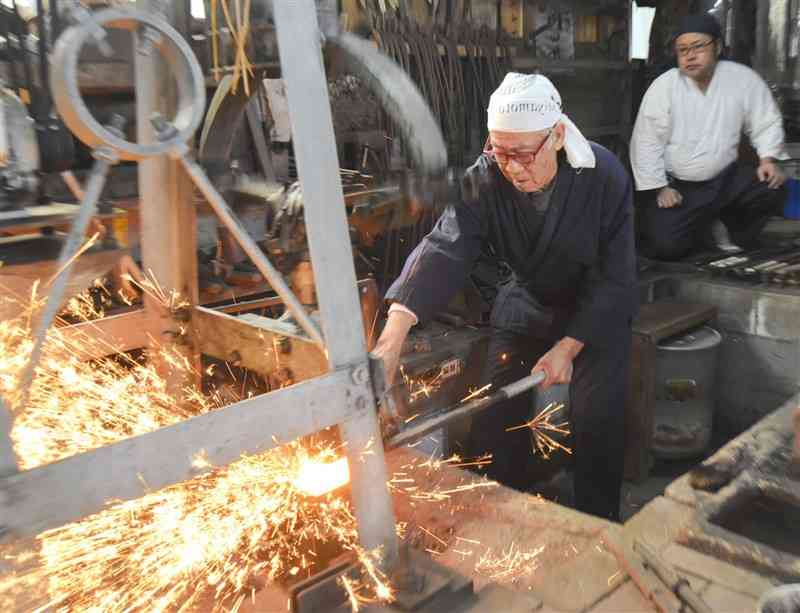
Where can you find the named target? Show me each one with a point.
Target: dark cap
(699, 23)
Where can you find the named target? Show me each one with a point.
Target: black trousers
(597, 396)
(735, 196)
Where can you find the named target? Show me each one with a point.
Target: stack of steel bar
(774, 265)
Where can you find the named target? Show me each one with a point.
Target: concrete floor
(635, 495)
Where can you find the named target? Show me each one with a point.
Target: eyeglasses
(696, 48)
(524, 158)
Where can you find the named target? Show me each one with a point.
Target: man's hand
(390, 344)
(668, 198)
(557, 363)
(768, 172)
(126, 275)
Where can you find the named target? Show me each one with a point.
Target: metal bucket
(783, 599)
(684, 407)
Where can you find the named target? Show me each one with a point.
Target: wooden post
(168, 220)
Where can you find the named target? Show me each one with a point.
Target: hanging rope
(214, 41)
(239, 29)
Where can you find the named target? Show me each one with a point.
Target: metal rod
(97, 180)
(252, 250)
(460, 411)
(671, 579)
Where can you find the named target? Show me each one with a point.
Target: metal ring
(177, 55)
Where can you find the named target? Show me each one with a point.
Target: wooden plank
(257, 343)
(27, 261)
(65, 491)
(660, 320)
(115, 334)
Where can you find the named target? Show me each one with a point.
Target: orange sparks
(477, 392)
(542, 428)
(214, 538)
(511, 564)
(210, 539)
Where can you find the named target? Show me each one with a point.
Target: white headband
(531, 103)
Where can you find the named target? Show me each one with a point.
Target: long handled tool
(679, 585)
(464, 409)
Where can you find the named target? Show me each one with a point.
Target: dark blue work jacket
(578, 279)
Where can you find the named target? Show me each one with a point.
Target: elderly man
(558, 211)
(685, 144)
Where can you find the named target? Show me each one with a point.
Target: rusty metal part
(648, 584)
(679, 585)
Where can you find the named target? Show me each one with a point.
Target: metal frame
(65, 491)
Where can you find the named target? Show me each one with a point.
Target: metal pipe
(460, 411)
(252, 250)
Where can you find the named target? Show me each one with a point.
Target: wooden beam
(102, 337)
(65, 491)
(167, 212)
(259, 344)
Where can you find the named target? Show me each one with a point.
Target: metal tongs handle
(466, 409)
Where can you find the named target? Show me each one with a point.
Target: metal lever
(462, 410)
